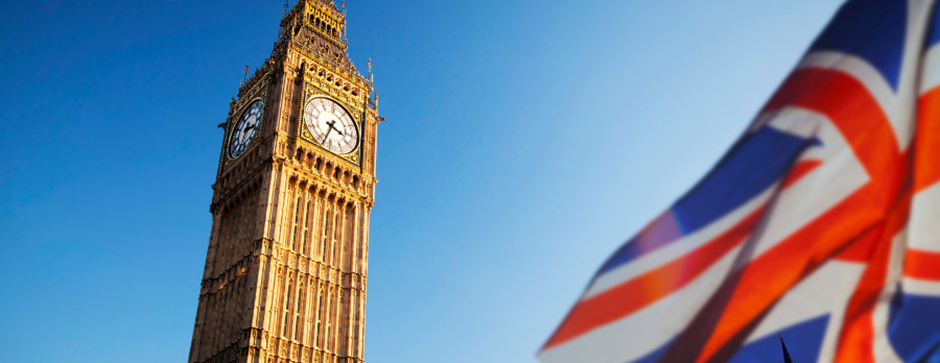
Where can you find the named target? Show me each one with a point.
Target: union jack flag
(821, 222)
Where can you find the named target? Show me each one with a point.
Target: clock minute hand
(327, 134)
(248, 129)
(332, 126)
(337, 130)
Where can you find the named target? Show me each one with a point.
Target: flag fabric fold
(821, 222)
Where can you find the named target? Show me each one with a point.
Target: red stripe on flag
(920, 264)
(859, 118)
(859, 251)
(927, 141)
(800, 170)
(856, 340)
(646, 289)
(857, 332)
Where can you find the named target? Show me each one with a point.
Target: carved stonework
(286, 261)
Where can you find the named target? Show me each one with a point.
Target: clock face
(245, 129)
(331, 126)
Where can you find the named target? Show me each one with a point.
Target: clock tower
(285, 276)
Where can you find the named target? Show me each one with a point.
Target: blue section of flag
(661, 232)
(933, 30)
(753, 165)
(871, 29)
(804, 341)
(912, 329)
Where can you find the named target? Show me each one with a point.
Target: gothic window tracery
(320, 306)
(327, 228)
(286, 304)
(297, 309)
(303, 238)
(295, 228)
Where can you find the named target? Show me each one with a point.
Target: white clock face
(330, 125)
(245, 129)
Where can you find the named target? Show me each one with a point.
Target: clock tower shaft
(287, 262)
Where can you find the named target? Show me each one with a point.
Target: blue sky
(525, 141)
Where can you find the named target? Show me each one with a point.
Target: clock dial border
(260, 90)
(309, 125)
(235, 122)
(357, 116)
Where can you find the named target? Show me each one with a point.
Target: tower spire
(786, 355)
(245, 76)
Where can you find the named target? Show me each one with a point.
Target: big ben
(285, 276)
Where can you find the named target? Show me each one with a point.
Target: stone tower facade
(285, 275)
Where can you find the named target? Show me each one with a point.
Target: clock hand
(327, 134)
(331, 123)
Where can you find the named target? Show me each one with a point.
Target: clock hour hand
(246, 130)
(332, 123)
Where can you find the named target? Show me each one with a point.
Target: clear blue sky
(525, 141)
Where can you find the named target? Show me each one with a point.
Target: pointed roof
(328, 3)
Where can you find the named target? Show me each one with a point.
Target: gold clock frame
(234, 123)
(259, 92)
(310, 92)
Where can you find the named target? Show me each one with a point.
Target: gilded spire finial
(370, 65)
(245, 77)
(344, 17)
(285, 7)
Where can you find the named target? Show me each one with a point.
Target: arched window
(306, 222)
(286, 316)
(327, 228)
(297, 308)
(330, 317)
(316, 332)
(296, 226)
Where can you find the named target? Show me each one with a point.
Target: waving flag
(821, 222)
